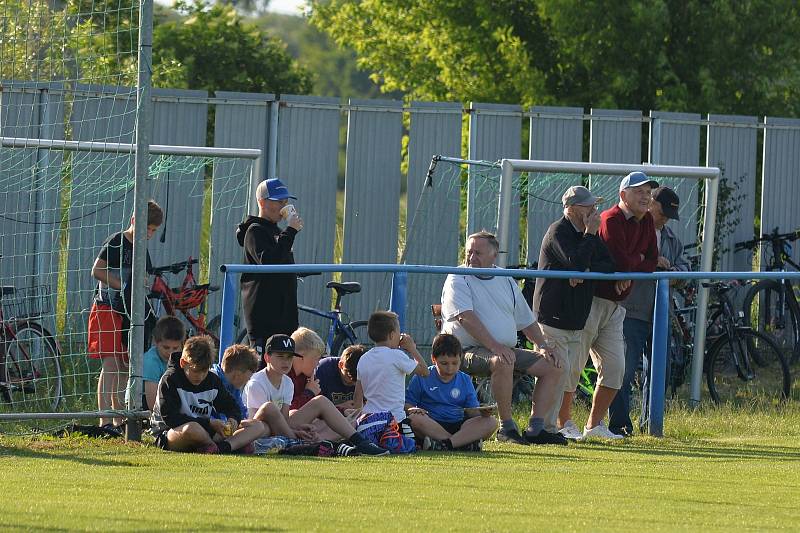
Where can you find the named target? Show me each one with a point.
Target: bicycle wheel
(213, 326)
(32, 369)
(586, 382)
(764, 312)
(746, 368)
(358, 329)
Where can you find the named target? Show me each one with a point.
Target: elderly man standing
(638, 325)
(570, 243)
(485, 313)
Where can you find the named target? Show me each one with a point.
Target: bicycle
(30, 357)
(771, 306)
(185, 298)
(342, 331)
(742, 363)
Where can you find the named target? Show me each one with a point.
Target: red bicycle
(185, 298)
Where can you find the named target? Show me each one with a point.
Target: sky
(289, 7)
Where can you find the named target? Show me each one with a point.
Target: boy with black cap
(271, 388)
(638, 324)
(269, 301)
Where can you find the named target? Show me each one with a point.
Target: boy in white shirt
(382, 370)
(270, 390)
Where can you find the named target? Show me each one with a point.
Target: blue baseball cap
(636, 179)
(273, 189)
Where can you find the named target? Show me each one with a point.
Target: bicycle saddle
(349, 287)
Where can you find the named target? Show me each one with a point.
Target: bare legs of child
(473, 429)
(191, 437)
(110, 387)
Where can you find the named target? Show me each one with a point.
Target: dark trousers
(638, 335)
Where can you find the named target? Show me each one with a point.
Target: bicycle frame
(161, 291)
(336, 323)
(732, 327)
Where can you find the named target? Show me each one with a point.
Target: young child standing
(188, 397)
(310, 347)
(443, 406)
(168, 337)
(337, 376)
(109, 318)
(382, 370)
(271, 389)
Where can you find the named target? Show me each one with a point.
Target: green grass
(718, 469)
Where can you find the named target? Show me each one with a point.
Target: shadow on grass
(704, 450)
(28, 453)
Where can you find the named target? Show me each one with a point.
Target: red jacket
(632, 244)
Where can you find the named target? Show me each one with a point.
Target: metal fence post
(397, 303)
(658, 362)
(226, 333)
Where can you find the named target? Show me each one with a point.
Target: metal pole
(397, 302)
(139, 276)
(255, 179)
(228, 310)
(706, 259)
(658, 362)
(272, 141)
(504, 210)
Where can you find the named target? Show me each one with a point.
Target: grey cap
(579, 195)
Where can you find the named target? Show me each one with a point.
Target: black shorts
(451, 427)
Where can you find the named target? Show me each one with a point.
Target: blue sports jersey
(236, 393)
(330, 381)
(444, 402)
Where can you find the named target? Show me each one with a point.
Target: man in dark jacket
(563, 305)
(269, 300)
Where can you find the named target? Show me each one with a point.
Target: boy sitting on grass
(188, 395)
(168, 337)
(382, 370)
(337, 376)
(271, 389)
(239, 363)
(443, 406)
(310, 347)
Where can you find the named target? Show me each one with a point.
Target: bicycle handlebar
(773, 237)
(174, 268)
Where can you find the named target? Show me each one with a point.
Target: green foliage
(724, 56)
(30, 39)
(217, 50)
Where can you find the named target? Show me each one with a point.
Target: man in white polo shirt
(485, 313)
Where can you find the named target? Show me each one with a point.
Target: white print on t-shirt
(197, 404)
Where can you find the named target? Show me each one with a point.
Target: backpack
(383, 430)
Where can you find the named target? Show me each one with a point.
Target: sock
(224, 447)
(508, 425)
(448, 444)
(535, 426)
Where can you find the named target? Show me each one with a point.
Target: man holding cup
(269, 301)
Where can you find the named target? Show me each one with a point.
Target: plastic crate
(27, 302)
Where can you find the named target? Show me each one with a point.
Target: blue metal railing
(398, 302)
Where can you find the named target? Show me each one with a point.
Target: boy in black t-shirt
(109, 318)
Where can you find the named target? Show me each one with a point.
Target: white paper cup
(287, 211)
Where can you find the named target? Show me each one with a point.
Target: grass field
(716, 470)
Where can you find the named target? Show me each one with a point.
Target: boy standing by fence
(109, 318)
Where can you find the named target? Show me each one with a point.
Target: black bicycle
(771, 306)
(742, 365)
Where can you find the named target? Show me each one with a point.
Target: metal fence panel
(732, 148)
(371, 198)
(30, 190)
(433, 209)
(674, 143)
(241, 120)
(556, 135)
(615, 136)
(308, 159)
(780, 184)
(495, 132)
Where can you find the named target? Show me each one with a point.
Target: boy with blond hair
(189, 401)
(271, 389)
(311, 349)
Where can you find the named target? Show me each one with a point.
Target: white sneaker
(571, 431)
(600, 431)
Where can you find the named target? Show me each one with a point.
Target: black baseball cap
(669, 201)
(280, 343)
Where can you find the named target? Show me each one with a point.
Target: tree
(217, 50)
(725, 56)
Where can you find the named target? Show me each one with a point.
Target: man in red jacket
(628, 231)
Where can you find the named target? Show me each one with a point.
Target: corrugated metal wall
(780, 181)
(495, 132)
(433, 212)
(732, 148)
(615, 136)
(308, 158)
(556, 135)
(674, 142)
(372, 198)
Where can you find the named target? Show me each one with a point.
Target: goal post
(710, 176)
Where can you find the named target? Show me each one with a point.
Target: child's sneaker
(346, 450)
(476, 446)
(368, 448)
(210, 448)
(433, 445)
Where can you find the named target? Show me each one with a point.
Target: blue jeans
(638, 335)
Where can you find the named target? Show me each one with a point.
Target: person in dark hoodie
(269, 300)
(193, 411)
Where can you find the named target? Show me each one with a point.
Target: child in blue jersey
(444, 406)
(168, 337)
